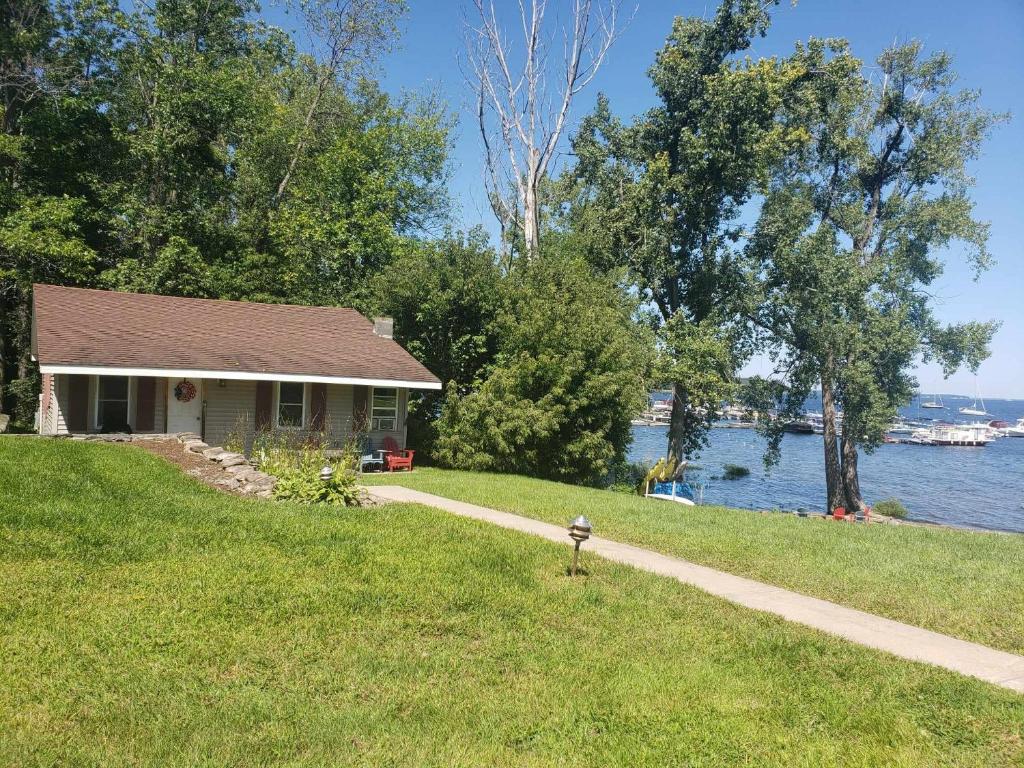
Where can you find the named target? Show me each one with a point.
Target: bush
(569, 375)
(891, 508)
(22, 397)
(734, 472)
(296, 460)
(627, 476)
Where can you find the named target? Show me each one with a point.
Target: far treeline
(791, 206)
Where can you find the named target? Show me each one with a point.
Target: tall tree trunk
(4, 329)
(851, 479)
(531, 225)
(833, 472)
(23, 341)
(677, 426)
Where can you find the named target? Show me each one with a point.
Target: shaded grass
(964, 583)
(150, 620)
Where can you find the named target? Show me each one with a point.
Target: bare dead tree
(523, 99)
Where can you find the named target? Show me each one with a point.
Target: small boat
(681, 492)
(902, 428)
(1015, 431)
(665, 481)
(799, 427)
(935, 403)
(974, 410)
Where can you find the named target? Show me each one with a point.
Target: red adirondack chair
(394, 458)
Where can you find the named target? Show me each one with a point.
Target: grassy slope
(149, 620)
(963, 583)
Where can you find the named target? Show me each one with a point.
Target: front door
(185, 405)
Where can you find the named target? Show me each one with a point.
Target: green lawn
(962, 583)
(148, 620)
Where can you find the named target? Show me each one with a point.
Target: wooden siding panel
(230, 408)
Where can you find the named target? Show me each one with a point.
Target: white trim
(277, 407)
(190, 373)
(96, 400)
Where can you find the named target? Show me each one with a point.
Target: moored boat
(1015, 431)
(964, 435)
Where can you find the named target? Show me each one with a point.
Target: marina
(948, 469)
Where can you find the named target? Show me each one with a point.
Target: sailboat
(974, 410)
(934, 403)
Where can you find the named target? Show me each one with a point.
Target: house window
(384, 411)
(112, 403)
(291, 404)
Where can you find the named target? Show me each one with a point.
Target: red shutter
(145, 404)
(264, 404)
(318, 407)
(77, 417)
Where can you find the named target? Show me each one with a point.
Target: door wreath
(184, 391)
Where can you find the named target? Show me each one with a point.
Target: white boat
(934, 403)
(974, 410)
(982, 426)
(967, 435)
(902, 428)
(1015, 431)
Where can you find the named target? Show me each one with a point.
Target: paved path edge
(904, 640)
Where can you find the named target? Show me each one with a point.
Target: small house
(116, 362)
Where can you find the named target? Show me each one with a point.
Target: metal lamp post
(326, 474)
(579, 531)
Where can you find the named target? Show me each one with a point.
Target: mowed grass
(964, 583)
(148, 620)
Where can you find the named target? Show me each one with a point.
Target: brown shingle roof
(83, 327)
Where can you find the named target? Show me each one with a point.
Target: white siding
(227, 408)
(60, 408)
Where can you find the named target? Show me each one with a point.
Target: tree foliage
(852, 232)
(662, 196)
(569, 376)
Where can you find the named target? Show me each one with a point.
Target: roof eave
(186, 373)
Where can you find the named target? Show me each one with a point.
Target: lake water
(972, 487)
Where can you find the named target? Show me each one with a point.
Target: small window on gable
(384, 411)
(291, 404)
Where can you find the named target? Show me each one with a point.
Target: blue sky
(986, 38)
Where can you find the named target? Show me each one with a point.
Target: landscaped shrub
(296, 460)
(891, 508)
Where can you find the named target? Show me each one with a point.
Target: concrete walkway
(914, 643)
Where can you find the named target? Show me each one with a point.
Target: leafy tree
(570, 374)
(190, 89)
(52, 151)
(375, 181)
(850, 236)
(445, 297)
(662, 196)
